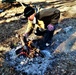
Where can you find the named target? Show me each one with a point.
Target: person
(41, 24)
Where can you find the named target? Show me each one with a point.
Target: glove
(50, 27)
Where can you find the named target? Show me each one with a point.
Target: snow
(37, 65)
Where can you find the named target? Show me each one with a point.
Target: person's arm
(29, 27)
(41, 24)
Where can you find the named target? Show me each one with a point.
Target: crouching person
(41, 24)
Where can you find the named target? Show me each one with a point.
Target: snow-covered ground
(37, 65)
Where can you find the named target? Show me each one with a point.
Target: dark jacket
(50, 15)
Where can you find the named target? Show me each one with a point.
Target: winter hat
(28, 11)
(50, 27)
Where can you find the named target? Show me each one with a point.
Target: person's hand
(26, 35)
(40, 29)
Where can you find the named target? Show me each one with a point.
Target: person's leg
(48, 36)
(41, 43)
